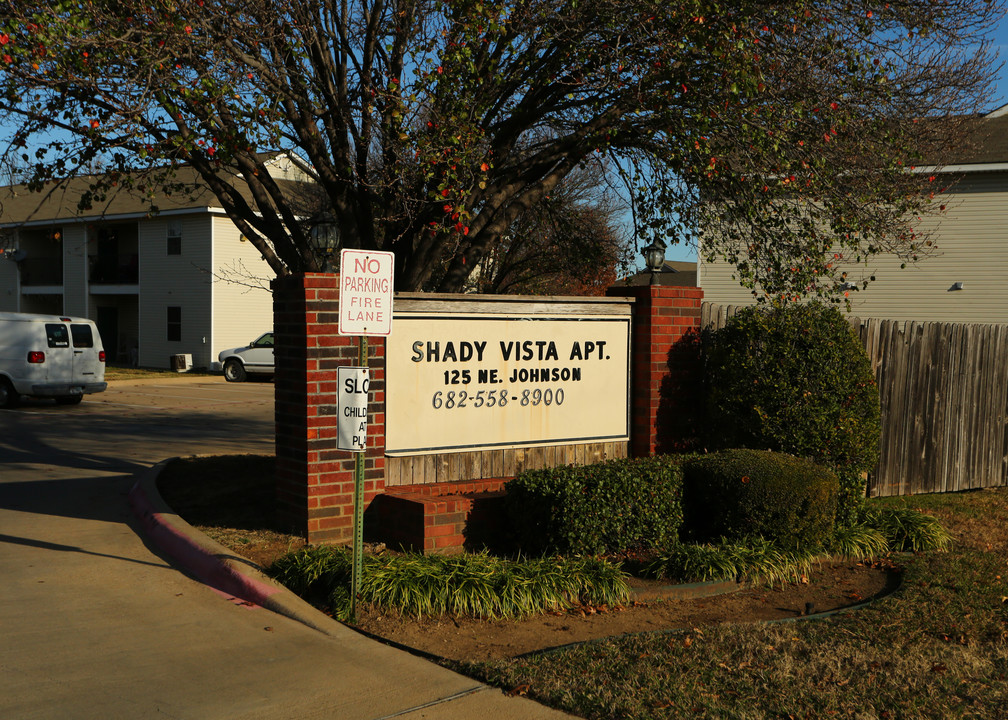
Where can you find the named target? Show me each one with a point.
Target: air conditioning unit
(181, 363)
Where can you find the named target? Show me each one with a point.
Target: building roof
(673, 272)
(19, 205)
(985, 142)
(988, 141)
(185, 191)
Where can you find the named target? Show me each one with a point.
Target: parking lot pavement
(136, 424)
(96, 624)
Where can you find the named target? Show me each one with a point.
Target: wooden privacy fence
(943, 389)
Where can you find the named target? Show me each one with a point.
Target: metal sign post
(365, 308)
(358, 520)
(353, 385)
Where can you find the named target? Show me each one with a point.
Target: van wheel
(8, 396)
(69, 399)
(233, 371)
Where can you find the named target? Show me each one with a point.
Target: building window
(174, 245)
(174, 324)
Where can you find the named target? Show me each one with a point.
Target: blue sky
(1000, 38)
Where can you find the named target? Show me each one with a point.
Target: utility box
(182, 362)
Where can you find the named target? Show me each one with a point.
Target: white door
(87, 367)
(58, 365)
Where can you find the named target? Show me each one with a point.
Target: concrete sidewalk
(423, 689)
(94, 623)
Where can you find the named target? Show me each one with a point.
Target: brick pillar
(314, 480)
(665, 366)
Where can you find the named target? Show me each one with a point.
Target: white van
(49, 356)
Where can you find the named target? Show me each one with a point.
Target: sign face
(351, 404)
(484, 382)
(365, 292)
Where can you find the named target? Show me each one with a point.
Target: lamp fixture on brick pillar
(325, 239)
(654, 259)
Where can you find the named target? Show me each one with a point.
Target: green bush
(736, 494)
(795, 378)
(612, 506)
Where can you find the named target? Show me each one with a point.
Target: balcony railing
(114, 270)
(41, 271)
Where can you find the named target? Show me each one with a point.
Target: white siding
(972, 248)
(242, 301)
(8, 275)
(175, 280)
(75, 270)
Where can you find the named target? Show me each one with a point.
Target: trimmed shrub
(736, 494)
(614, 506)
(795, 378)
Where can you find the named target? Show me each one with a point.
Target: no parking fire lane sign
(365, 294)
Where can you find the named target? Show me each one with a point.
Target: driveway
(95, 624)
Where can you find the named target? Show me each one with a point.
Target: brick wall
(665, 366)
(315, 481)
(440, 517)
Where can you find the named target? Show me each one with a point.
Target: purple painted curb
(212, 563)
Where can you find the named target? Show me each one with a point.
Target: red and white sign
(365, 294)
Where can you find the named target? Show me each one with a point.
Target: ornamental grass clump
(795, 378)
(879, 531)
(857, 542)
(908, 530)
(316, 573)
(753, 559)
(472, 585)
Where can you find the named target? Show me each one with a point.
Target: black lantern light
(325, 238)
(654, 259)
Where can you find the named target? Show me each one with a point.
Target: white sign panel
(465, 382)
(351, 404)
(365, 292)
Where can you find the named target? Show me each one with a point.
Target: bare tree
(571, 243)
(430, 127)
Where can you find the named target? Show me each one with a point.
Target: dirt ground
(830, 587)
(656, 607)
(237, 513)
